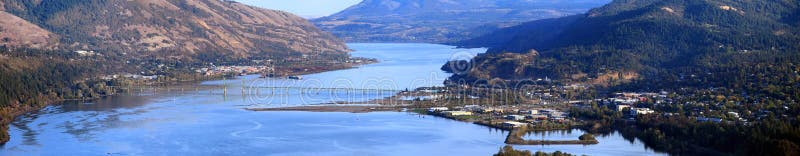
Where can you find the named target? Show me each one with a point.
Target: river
(215, 122)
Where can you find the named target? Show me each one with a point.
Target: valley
(400, 77)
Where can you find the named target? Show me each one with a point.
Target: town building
(437, 109)
(515, 117)
(641, 111)
(513, 124)
(621, 107)
(537, 117)
(704, 119)
(733, 114)
(558, 114)
(529, 112)
(491, 110)
(457, 113)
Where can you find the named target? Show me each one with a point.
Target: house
(152, 77)
(437, 109)
(621, 107)
(558, 119)
(537, 117)
(558, 114)
(630, 95)
(109, 77)
(431, 90)
(552, 113)
(512, 124)
(625, 100)
(546, 111)
(733, 114)
(491, 110)
(457, 113)
(641, 111)
(529, 112)
(472, 108)
(704, 119)
(85, 53)
(515, 117)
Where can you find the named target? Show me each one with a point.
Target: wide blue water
(212, 120)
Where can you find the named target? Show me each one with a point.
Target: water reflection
(110, 103)
(28, 135)
(610, 143)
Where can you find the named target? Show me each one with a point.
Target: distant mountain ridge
(631, 23)
(162, 28)
(441, 21)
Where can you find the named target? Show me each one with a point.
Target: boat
(266, 75)
(295, 77)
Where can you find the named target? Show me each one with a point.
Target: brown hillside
(176, 28)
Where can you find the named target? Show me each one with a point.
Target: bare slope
(173, 28)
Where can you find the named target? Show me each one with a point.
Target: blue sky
(304, 8)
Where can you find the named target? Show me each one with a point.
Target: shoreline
(17, 110)
(398, 103)
(514, 136)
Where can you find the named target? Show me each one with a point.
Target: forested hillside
(717, 56)
(31, 79)
(645, 37)
(761, 25)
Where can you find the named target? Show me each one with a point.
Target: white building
(558, 114)
(513, 124)
(85, 53)
(641, 111)
(437, 109)
(733, 114)
(457, 113)
(491, 110)
(515, 117)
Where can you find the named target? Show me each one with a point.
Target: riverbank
(515, 136)
(307, 69)
(9, 113)
(489, 116)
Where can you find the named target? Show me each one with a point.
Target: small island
(515, 138)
